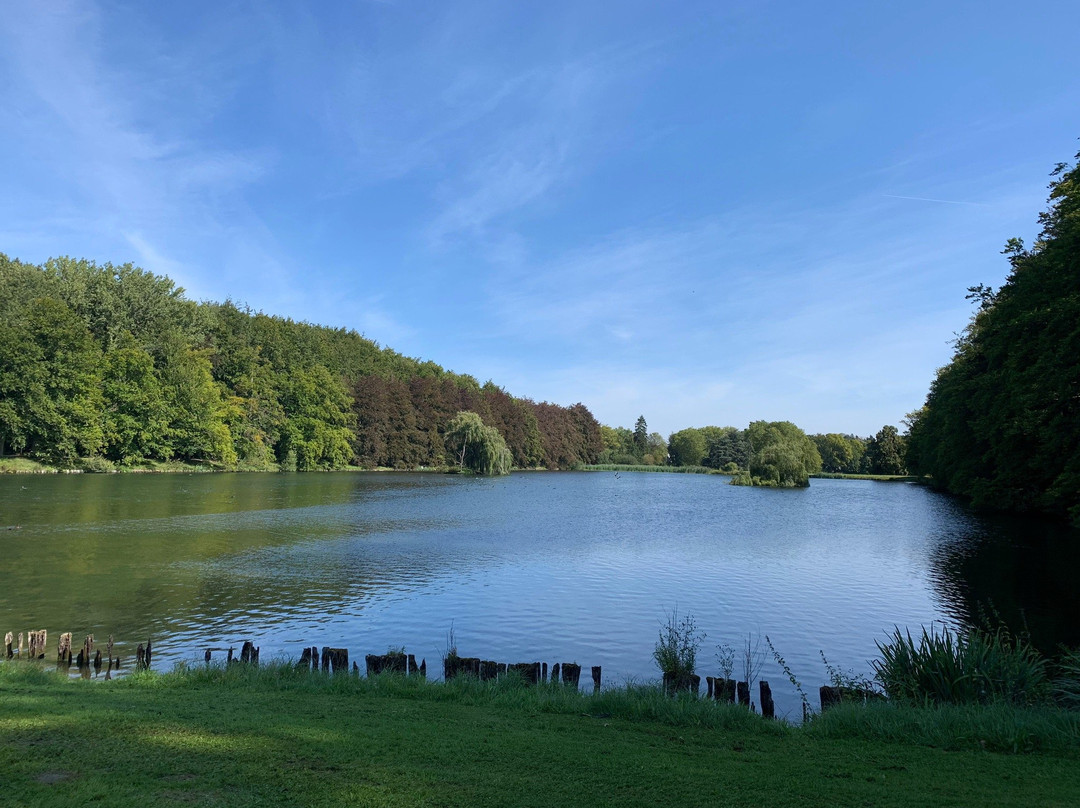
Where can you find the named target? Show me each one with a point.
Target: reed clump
(972, 666)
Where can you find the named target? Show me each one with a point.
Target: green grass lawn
(275, 737)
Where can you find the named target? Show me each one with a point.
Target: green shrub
(677, 646)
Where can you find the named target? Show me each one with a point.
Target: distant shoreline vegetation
(108, 368)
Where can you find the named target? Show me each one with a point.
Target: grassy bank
(24, 465)
(275, 736)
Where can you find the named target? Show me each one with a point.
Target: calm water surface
(536, 566)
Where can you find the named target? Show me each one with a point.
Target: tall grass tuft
(1067, 682)
(967, 667)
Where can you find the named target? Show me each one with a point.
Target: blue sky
(706, 213)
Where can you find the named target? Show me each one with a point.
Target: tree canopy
(1001, 423)
(477, 447)
(781, 456)
(114, 363)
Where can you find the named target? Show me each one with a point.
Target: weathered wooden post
(709, 685)
(9, 641)
(724, 690)
(571, 673)
(489, 669)
(37, 641)
(97, 662)
(555, 672)
(372, 665)
(529, 671)
(86, 655)
(595, 679)
(412, 665)
(326, 658)
(19, 655)
(422, 670)
(63, 649)
(305, 659)
(339, 660)
(744, 694)
(768, 709)
(249, 654)
(206, 657)
(229, 659)
(148, 651)
(140, 658)
(109, 649)
(543, 672)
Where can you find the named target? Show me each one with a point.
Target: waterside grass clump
(962, 667)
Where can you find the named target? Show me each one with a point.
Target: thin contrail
(942, 201)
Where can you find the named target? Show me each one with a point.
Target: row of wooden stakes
(336, 660)
(87, 658)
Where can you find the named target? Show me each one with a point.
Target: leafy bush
(967, 667)
(677, 646)
(96, 464)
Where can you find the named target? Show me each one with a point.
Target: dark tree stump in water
(529, 671)
(744, 694)
(63, 649)
(488, 670)
(831, 696)
(724, 690)
(393, 662)
(768, 708)
(37, 641)
(422, 670)
(140, 658)
(305, 659)
(596, 678)
(543, 672)
(9, 642)
(339, 660)
(571, 673)
(555, 672)
(686, 683)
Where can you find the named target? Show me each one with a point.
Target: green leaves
(1001, 424)
(477, 447)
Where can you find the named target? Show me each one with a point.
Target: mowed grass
(278, 737)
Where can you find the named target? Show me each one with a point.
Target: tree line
(765, 453)
(103, 365)
(1001, 422)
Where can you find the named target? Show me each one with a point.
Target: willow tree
(477, 447)
(781, 456)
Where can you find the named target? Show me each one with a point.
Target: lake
(559, 567)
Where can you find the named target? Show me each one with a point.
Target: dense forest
(1001, 423)
(105, 366)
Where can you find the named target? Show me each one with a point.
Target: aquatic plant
(973, 666)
